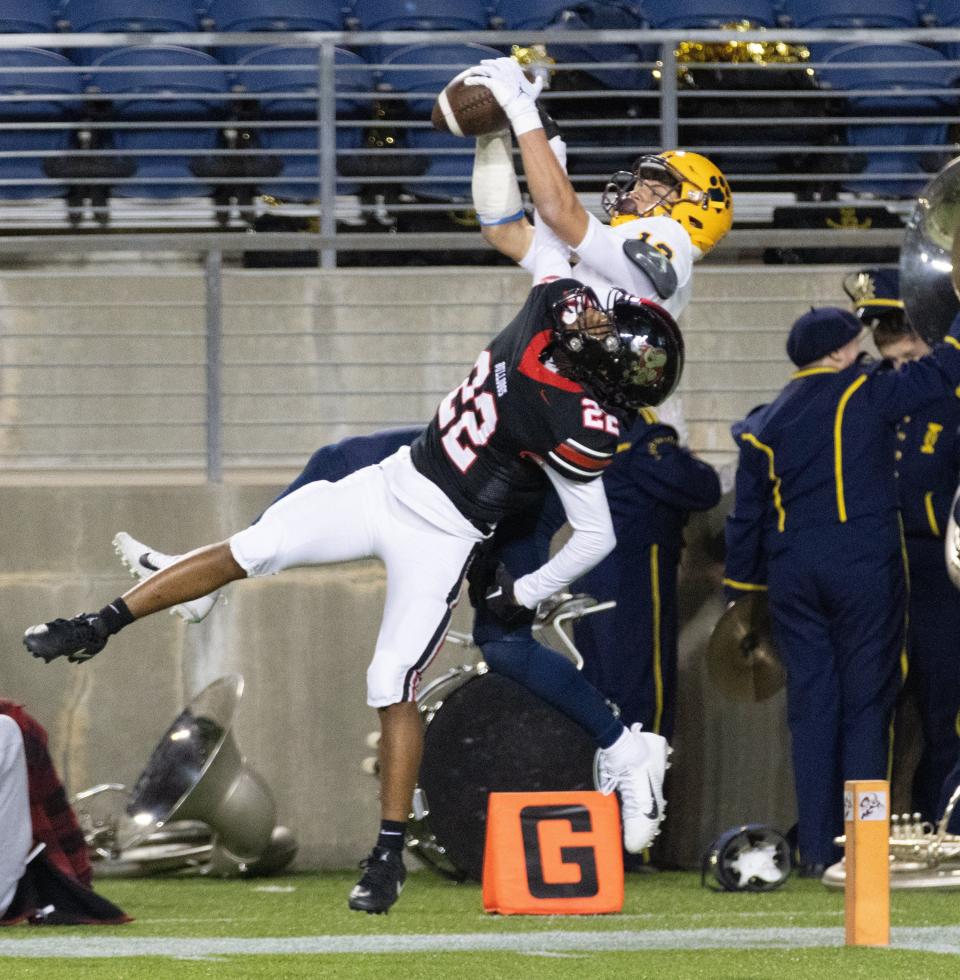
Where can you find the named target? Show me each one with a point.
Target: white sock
(626, 751)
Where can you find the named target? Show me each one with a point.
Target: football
(467, 110)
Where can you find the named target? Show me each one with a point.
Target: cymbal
(742, 660)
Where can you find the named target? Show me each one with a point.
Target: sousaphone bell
(197, 804)
(928, 256)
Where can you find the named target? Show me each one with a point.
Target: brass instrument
(197, 807)
(928, 272)
(921, 855)
(742, 660)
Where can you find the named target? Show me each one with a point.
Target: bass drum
(484, 734)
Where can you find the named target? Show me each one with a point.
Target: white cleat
(640, 785)
(143, 561)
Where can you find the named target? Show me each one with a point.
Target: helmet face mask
(628, 354)
(650, 173)
(697, 195)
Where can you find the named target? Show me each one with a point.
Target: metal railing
(342, 159)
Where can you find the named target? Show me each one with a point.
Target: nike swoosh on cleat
(146, 563)
(655, 809)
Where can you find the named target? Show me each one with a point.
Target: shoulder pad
(654, 265)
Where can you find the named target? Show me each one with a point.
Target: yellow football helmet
(698, 195)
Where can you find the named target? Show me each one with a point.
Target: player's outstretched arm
(550, 188)
(496, 197)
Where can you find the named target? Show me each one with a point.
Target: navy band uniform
(630, 653)
(815, 522)
(927, 467)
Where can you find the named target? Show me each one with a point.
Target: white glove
(516, 94)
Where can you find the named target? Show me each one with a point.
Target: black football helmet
(628, 354)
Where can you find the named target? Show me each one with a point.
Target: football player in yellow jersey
(669, 210)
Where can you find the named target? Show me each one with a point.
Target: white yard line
(936, 939)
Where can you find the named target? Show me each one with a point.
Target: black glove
(480, 575)
(502, 604)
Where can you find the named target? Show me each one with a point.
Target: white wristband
(525, 117)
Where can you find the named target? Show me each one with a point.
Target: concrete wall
(302, 639)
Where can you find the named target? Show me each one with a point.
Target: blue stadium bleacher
(447, 175)
(534, 15)
(273, 15)
(607, 17)
(704, 14)
(420, 71)
(51, 96)
(148, 93)
(26, 17)
(417, 73)
(943, 13)
(823, 14)
(895, 69)
(419, 15)
(104, 16)
(283, 81)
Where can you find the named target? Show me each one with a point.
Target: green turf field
(299, 926)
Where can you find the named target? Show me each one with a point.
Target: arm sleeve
(746, 565)
(593, 538)
(496, 191)
(920, 382)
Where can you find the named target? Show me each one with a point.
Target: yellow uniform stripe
(649, 416)
(952, 341)
(657, 654)
(774, 479)
(807, 372)
(838, 446)
(931, 516)
(744, 586)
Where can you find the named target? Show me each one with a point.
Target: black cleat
(382, 881)
(77, 639)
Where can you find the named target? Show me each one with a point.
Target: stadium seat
(419, 15)
(283, 80)
(26, 17)
(897, 69)
(824, 14)
(943, 13)
(148, 93)
(103, 16)
(672, 14)
(606, 17)
(283, 77)
(534, 15)
(57, 96)
(449, 170)
(420, 71)
(273, 15)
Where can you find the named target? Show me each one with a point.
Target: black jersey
(491, 437)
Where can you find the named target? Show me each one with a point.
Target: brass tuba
(196, 806)
(929, 256)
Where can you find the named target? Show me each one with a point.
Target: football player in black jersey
(544, 401)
